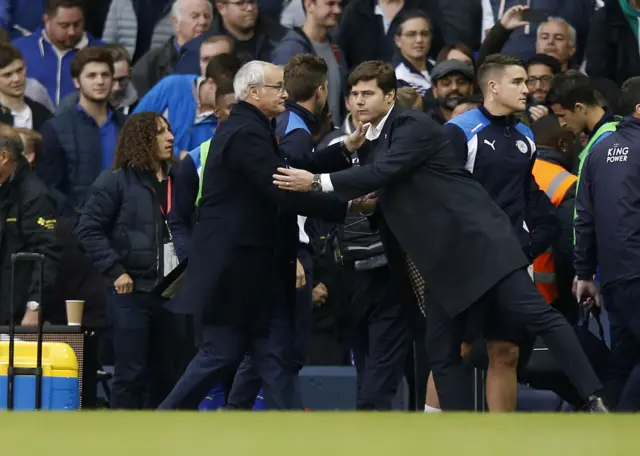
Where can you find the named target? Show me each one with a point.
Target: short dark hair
(91, 54)
(407, 15)
(11, 141)
(9, 54)
(570, 88)
(222, 66)
(382, 72)
(4, 36)
(546, 60)
(493, 64)
(118, 53)
(444, 52)
(223, 89)
(303, 75)
(548, 131)
(630, 96)
(51, 6)
(213, 39)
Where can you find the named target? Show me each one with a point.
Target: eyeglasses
(413, 35)
(278, 87)
(243, 4)
(543, 80)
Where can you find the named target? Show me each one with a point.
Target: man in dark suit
(444, 237)
(240, 281)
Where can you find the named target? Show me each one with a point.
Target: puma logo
(492, 144)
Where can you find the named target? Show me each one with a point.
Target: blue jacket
(607, 207)
(47, 66)
(500, 153)
(71, 157)
(174, 94)
(17, 16)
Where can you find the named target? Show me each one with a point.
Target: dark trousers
(381, 339)
(247, 382)
(622, 301)
(518, 300)
(144, 369)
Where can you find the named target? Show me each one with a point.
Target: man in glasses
(541, 69)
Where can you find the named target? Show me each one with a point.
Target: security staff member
(607, 237)
(553, 270)
(27, 224)
(499, 151)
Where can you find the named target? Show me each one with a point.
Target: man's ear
(76, 83)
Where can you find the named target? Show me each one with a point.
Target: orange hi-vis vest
(554, 180)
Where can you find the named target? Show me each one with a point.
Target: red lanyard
(169, 193)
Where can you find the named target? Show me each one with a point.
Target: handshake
(366, 205)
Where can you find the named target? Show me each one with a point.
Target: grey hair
(175, 8)
(573, 36)
(251, 73)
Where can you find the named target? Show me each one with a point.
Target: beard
(94, 99)
(450, 101)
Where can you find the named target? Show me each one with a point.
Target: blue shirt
(108, 138)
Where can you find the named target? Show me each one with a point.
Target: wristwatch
(316, 184)
(33, 306)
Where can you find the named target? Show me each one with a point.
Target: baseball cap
(447, 67)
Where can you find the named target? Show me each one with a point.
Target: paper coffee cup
(74, 312)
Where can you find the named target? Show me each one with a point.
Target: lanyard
(169, 194)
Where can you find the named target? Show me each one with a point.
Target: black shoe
(595, 405)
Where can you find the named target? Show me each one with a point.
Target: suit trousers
(517, 299)
(247, 381)
(381, 339)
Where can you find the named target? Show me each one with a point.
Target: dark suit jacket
(246, 236)
(432, 209)
(39, 114)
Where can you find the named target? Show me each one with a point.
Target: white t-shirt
(23, 119)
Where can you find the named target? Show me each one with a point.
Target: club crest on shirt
(522, 147)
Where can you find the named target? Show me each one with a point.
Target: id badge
(170, 258)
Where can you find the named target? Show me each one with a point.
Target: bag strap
(583, 320)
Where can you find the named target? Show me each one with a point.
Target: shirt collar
(373, 133)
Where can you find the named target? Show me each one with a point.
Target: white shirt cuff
(325, 181)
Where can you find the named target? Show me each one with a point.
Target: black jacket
(500, 152)
(121, 227)
(247, 232)
(434, 210)
(27, 224)
(155, 65)
(39, 113)
(71, 158)
(607, 208)
(612, 48)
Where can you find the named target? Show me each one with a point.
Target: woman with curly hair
(123, 229)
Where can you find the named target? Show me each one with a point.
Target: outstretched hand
(292, 179)
(357, 138)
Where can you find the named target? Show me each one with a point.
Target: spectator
(138, 25)
(27, 224)
(553, 271)
(254, 37)
(555, 37)
(190, 18)
(568, 21)
(367, 28)
(80, 142)
(313, 38)
(21, 17)
(16, 109)
(213, 45)
(123, 96)
(541, 69)
(188, 183)
(32, 142)
(613, 51)
(452, 80)
(188, 102)
(49, 51)
(122, 228)
(413, 39)
(456, 51)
